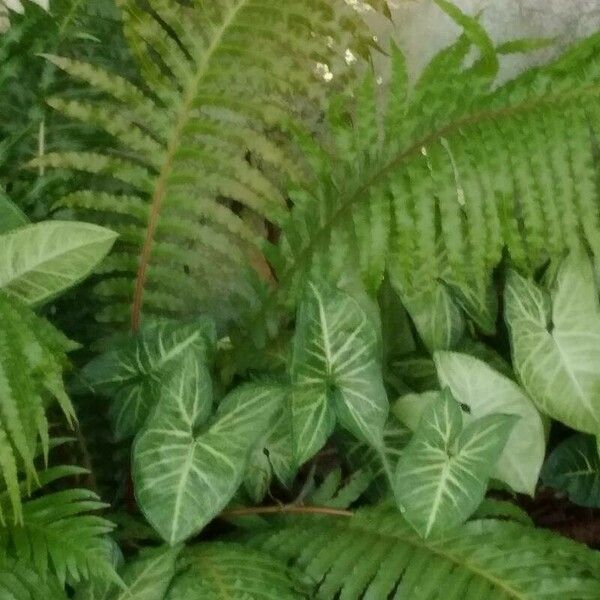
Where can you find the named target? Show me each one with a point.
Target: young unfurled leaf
(336, 372)
(556, 343)
(186, 470)
(130, 375)
(487, 392)
(574, 468)
(442, 474)
(39, 261)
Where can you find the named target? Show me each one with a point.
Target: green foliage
(451, 174)
(186, 468)
(336, 372)
(130, 373)
(57, 534)
(190, 143)
(485, 391)
(42, 260)
(18, 581)
(220, 571)
(376, 553)
(574, 468)
(441, 477)
(10, 214)
(554, 342)
(297, 241)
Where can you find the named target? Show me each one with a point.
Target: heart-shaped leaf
(442, 474)
(129, 374)
(487, 392)
(185, 471)
(336, 371)
(39, 261)
(556, 343)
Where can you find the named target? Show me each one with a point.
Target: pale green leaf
(486, 392)
(409, 408)
(39, 261)
(574, 468)
(442, 475)
(336, 371)
(185, 471)
(556, 343)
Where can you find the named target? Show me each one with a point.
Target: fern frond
(217, 571)
(451, 174)
(376, 554)
(58, 534)
(18, 581)
(192, 145)
(32, 359)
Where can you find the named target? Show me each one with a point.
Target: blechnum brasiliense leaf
(194, 168)
(453, 173)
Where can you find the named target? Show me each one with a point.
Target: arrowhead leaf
(186, 471)
(129, 374)
(487, 392)
(556, 343)
(442, 474)
(336, 372)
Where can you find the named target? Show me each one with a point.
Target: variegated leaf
(129, 375)
(487, 392)
(442, 474)
(39, 261)
(186, 470)
(438, 319)
(556, 343)
(336, 371)
(274, 454)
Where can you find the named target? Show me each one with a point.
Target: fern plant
(385, 440)
(198, 169)
(51, 533)
(452, 174)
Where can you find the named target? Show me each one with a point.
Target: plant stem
(286, 508)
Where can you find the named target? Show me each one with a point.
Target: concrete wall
(421, 28)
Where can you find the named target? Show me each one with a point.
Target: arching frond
(376, 554)
(452, 173)
(191, 144)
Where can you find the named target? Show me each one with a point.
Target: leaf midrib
(165, 171)
(359, 194)
(499, 583)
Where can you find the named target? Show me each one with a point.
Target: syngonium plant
(342, 331)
